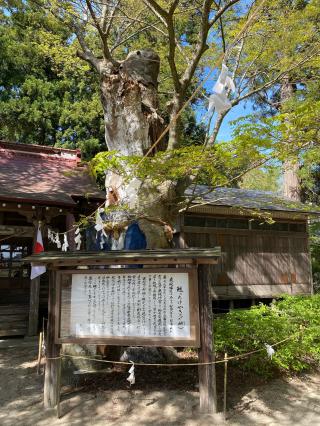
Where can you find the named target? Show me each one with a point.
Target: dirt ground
(158, 398)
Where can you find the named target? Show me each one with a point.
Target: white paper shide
(130, 304)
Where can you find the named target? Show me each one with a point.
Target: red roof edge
(74, 154)
(37, 202)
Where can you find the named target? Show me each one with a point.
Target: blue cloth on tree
(96, 241)
(135, 238)
(92, 243)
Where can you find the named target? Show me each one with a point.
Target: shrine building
(37, 183)
(259, 261)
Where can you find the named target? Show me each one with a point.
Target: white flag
(219, 99)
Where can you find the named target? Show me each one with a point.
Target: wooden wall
(255, 263)
(14, 306)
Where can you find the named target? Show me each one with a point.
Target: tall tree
(277, 64)
(47, 95)
(123, 43)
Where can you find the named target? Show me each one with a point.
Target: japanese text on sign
(130, 305)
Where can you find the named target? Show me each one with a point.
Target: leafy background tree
(48, 96)
(50, 93)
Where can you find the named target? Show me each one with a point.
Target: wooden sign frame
(192, 341)
(198, 262)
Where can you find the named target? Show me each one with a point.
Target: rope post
(39, 352)
(53, 349)
(34, 294)
(207, 373)
(225, 386)
(59, 389)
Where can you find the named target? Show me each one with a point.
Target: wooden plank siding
(255, 263)
(14, 304)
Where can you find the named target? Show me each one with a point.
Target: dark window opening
(212, 222)
(14, 219)
(278, 226)
(235, 223)
(11, 254)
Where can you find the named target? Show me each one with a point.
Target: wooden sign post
(165, 303)
(207, 377)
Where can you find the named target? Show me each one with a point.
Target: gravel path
(292, 401)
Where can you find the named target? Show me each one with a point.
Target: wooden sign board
(144, 307)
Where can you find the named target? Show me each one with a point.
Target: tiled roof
(247, 198)
(43, 174)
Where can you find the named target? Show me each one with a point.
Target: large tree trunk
(132, 124)
(130, 101)
(291, 183)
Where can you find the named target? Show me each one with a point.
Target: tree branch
(157, 9)
(106, 26)
(167, 19)
(221, 11)
(131, 36)
(106, 52)
(236, 101)
(203, 34)
(86, 54)
(274, 80)
(201, 46)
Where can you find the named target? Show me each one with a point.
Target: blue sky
(237, 111)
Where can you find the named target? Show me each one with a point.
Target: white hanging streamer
(54, 237)
(270, 350)
(65, 244)
(131, 379)
(219, 99)
(119, 243)
(77, 238)
(99, 221)
(57, 241)
(50, 235)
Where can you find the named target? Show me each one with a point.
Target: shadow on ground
(160, 396)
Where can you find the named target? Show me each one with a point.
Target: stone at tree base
(70, 365)
(170, 354)
(149, 355)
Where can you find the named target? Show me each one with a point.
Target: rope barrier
(189, 364)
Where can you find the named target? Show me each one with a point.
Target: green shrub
(239, 332)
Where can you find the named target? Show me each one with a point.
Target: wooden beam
(26, 231)
(248, 291)
(234, 211)
(53, 350)
(34, 293)
(70, 221)
(207, 375)
(160, 256)
(34, 307)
